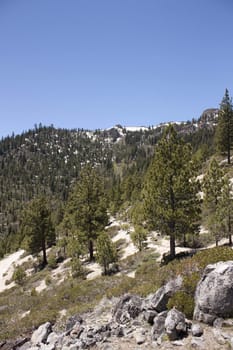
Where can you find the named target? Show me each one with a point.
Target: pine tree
(213, 183)
(170, 192)
(139, 235)
(37, 228)
(224, 212)
(86, 210)
(224, 133)
(106, 252)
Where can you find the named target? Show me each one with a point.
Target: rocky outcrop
(128, 307)
(131, 322)
(214, 293)
(127, 322)
(89, 332)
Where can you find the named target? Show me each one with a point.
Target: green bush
(34, 293)
(19, 275)
(77, 270)
(52, 261)
(183, 302)
(48, 280)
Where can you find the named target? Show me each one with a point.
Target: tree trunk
(91, 250)
(172, 246)
(229, 230)
(230, 240)
(105, 269)
(45, 262)
(184, 240)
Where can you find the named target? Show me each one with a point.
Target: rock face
(214, 293)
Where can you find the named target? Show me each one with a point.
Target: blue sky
(97, 63)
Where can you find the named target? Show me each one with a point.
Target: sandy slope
(155, 242)
(7, 268)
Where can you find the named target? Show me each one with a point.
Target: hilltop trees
(37, 228)
(170, 192)
(224, 133)
(86, 210)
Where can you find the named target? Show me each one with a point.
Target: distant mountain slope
(48, 160)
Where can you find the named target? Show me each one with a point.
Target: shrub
(77, 270)
(52, 261)
(183, 302)
(106, 252)
(48, 280)
(19, 275)
(139, 237)
(33, 292)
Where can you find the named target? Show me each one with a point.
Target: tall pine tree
(86, 210)
(224, 133)
(106, 252)
(37, 228)
(171, 190)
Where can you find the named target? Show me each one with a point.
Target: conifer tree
(106, 252)
(213, 183)
(224, 213)
(37, 228)
(86, 210)
(139, 235)
(224, 133)
(170, 191)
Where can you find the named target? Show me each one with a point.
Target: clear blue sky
(96, 63)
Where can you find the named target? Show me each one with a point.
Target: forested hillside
(46, 160)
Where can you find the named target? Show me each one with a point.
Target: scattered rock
(139, 336)
(158, 327)
(72, 321)
(197, 330)
(175, 325)
(197, 343)
(128, 307)
(149, 316)
(178, 343)
(218, 336)
(218, 322)
(53, 338)
(140, 339)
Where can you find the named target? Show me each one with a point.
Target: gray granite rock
(159, 300)
(214, 293)
(197, 330)
(40, 335)
(175, 325)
